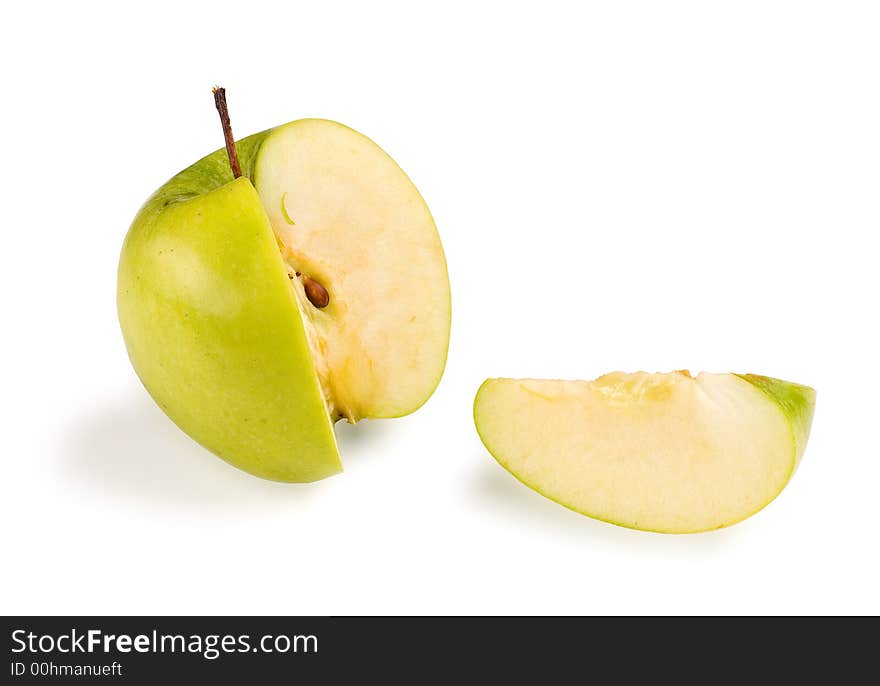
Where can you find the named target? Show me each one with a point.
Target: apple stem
(220, 102)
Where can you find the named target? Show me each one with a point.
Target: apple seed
(316, 293)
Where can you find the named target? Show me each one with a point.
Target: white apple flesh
(347, 215)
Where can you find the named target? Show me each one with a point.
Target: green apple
(661, 452)
(259, 310)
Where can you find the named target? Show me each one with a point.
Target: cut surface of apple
(346, 214)
(661, 452)
(216, 297)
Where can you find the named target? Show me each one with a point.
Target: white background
(618, 185)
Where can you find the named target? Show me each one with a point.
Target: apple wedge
(661, 452)
(259, 310)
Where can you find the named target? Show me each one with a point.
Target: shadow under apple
(126, 447)
(357, 442)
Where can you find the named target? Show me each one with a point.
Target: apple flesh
(660, 452)
(220, 289)
(347, 215)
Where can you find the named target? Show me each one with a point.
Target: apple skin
(212, 326)
(795, 401)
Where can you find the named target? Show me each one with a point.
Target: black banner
(135, 650)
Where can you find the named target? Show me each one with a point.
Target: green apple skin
(212, 326)
(795, 402)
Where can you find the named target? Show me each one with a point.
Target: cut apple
(661, 452)
(347, 215)
(258, 310)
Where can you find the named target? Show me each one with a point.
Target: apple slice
(258, 310)
(660, 452)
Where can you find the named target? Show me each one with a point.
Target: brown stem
(220, 102)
